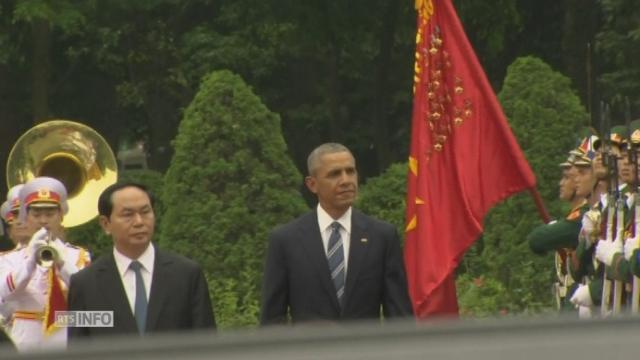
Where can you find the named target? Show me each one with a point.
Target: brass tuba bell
(71, 152)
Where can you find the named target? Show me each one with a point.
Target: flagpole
(544, 215)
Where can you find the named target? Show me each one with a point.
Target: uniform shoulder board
(574, 215)
(74, 246)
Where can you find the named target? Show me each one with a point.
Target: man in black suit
(334, 263)
(136, 270)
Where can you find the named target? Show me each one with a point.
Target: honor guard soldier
(35, 278)
(561, 236)
(616, 255)
(584, 267)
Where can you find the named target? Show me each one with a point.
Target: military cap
(586, 150)
(618, 135)
(43, 192)
(569, 161)
(634, 137)
(13, 197)
(5, 212)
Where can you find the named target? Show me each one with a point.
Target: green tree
(384, 196)
(618, 47)
(229, 183)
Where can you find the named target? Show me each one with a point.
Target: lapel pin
(364, 240)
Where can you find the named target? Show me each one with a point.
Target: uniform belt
(28, 315)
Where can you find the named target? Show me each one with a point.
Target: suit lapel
(309, 233)
(357, 251)
(161, 274)
(112, 289)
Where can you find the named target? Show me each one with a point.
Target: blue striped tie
(140, 306)
(335, 256)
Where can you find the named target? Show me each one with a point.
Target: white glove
(584, 312)
(605, 250)
(58, 245)
(25, 270)
(65, 268)
(38, 240)
(629, 246)
(591, 223)
(582, 297)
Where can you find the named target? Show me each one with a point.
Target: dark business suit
(179, 297)
(297, 280)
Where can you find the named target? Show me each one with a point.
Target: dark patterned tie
(335, 256)
(140, 307)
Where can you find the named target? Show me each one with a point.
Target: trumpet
(47, 255)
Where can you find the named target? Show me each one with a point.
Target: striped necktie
(335, 256)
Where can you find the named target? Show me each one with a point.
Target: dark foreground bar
(558, 338)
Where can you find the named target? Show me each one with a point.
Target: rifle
(615, 207)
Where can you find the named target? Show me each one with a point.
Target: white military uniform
(25, 287)
(7, 212)
(29, 303)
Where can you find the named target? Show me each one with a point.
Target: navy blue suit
(179, 297)
(297, 282)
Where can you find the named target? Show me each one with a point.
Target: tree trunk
(580, 23)
(40, 31)
(382, 135)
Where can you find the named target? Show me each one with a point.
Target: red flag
(56, 301)
(464, 158)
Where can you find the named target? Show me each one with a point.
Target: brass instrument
(47, 255)
(71, 152)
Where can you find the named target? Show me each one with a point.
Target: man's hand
(582, 297)
(591, 225)
(605, 250)
(629, 246)
(38, 240)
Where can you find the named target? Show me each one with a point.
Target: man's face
(132, 221)
(48, 217)
(599, 170)
(335, 182)
(625, 168)
(19, 232)
(567, 184)
(584, 181)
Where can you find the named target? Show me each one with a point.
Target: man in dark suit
(334, 263)
(122, 281)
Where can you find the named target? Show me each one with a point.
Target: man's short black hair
(105, 201)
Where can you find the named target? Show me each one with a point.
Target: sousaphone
(71, 152)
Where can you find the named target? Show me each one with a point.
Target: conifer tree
(229, 183)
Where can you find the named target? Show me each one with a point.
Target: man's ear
(104, 223)
(310, 181)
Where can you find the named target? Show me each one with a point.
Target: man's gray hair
(327, 148)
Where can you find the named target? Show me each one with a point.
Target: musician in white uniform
(35, 288)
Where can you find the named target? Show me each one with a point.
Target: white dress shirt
(128, 277)
(325, 220)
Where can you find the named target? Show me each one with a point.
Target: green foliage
(230, 182)
(544, 114)
(618, 43)
(481, 297)
(384, 196)
(90, 234)
(62, 13)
